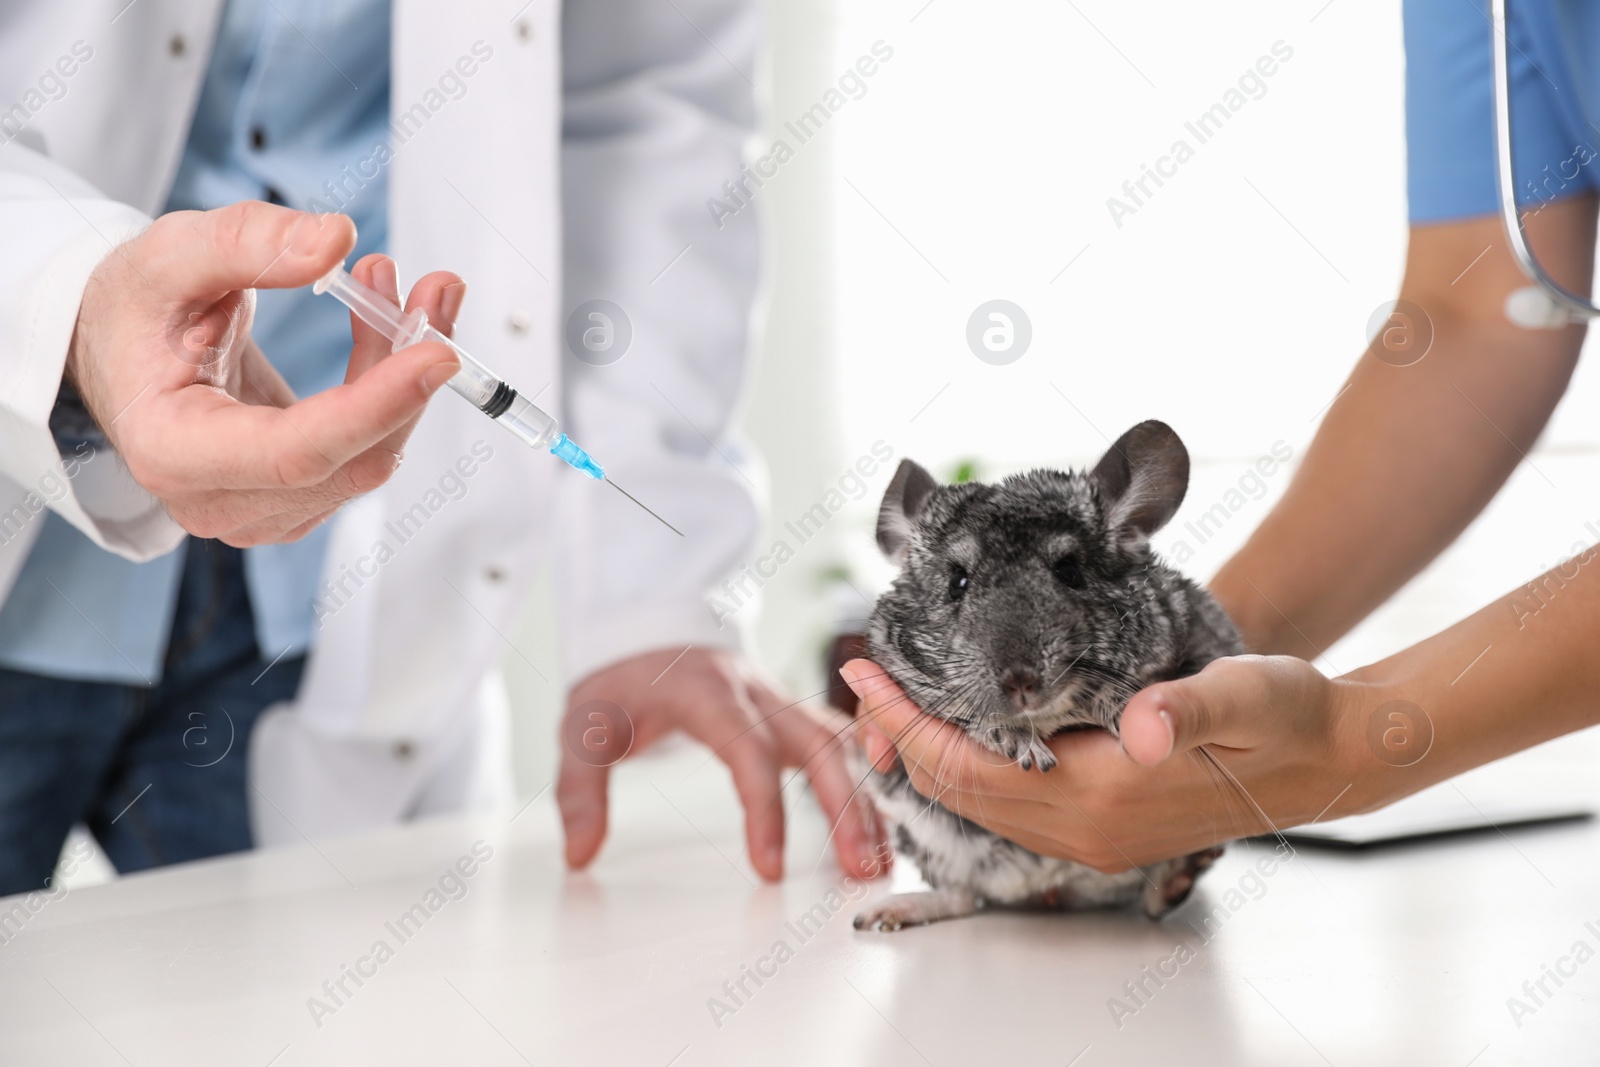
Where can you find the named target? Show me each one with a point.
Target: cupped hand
(717, 698)
(163, 359)
(1249, 745)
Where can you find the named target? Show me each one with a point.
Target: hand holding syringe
(487, 391)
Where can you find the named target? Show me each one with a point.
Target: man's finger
(290, 448)
(581, 797)
(751, 756)
(439, 295)
(259, 381)
(313, 438)
(367, 345)
(819, 751)
(270, 516)
(308, 525)
(200, 255)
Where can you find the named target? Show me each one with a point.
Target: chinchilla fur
(1023, 609)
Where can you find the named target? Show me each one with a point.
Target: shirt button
(403, 750)
(258, 138)
(519, 322)
(177, 46)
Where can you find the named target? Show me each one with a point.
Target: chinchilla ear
(1143, 478)
(902, 502)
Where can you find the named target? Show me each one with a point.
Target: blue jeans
(157, 773)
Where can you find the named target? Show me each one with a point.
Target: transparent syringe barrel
(495, 398)
(492, 396)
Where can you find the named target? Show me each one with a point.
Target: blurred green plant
(966, 470)
(834, 574)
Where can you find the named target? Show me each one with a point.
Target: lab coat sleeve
(658, 101)
(57, 229)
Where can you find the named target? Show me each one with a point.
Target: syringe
(487, 391)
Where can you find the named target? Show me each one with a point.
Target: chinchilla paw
(1025, 747)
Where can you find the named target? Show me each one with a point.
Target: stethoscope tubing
(1575, 306)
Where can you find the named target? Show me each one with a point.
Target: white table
(1403, 957)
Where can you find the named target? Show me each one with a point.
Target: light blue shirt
(295, 99)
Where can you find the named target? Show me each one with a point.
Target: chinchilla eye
(958, 581)
(1068, 573)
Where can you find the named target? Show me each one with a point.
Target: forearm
(1519, 672)
(1408, 455)
(1404, 461)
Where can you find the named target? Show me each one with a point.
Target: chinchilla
(1023, 609)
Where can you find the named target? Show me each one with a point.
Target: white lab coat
(638, 110)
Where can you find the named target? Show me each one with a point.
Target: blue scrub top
(1450, 149)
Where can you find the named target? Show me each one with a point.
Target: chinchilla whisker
(835, 746)
(1109, 673)
(898, 740)
(905, 735)
(939, 770)
(932, 800)
(931, 710)
(834, 827)
(1242, 792)
(866, 777)
(831, 748)
(958, 695)
(1227, 786)
(1069, 666)
(714, 753)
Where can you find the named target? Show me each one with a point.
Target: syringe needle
(652, 514)
(485, 390)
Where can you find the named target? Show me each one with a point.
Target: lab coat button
(519, 322)
(403, 750)
(494, 574)
(258, 138)
(525, 29)
(177, 46)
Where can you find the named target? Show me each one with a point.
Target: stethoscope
(1546, 304)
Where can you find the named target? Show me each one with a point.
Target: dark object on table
(842, 650)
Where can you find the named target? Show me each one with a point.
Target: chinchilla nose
(1021, 685)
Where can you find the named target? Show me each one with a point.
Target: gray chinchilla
(1023, 609)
